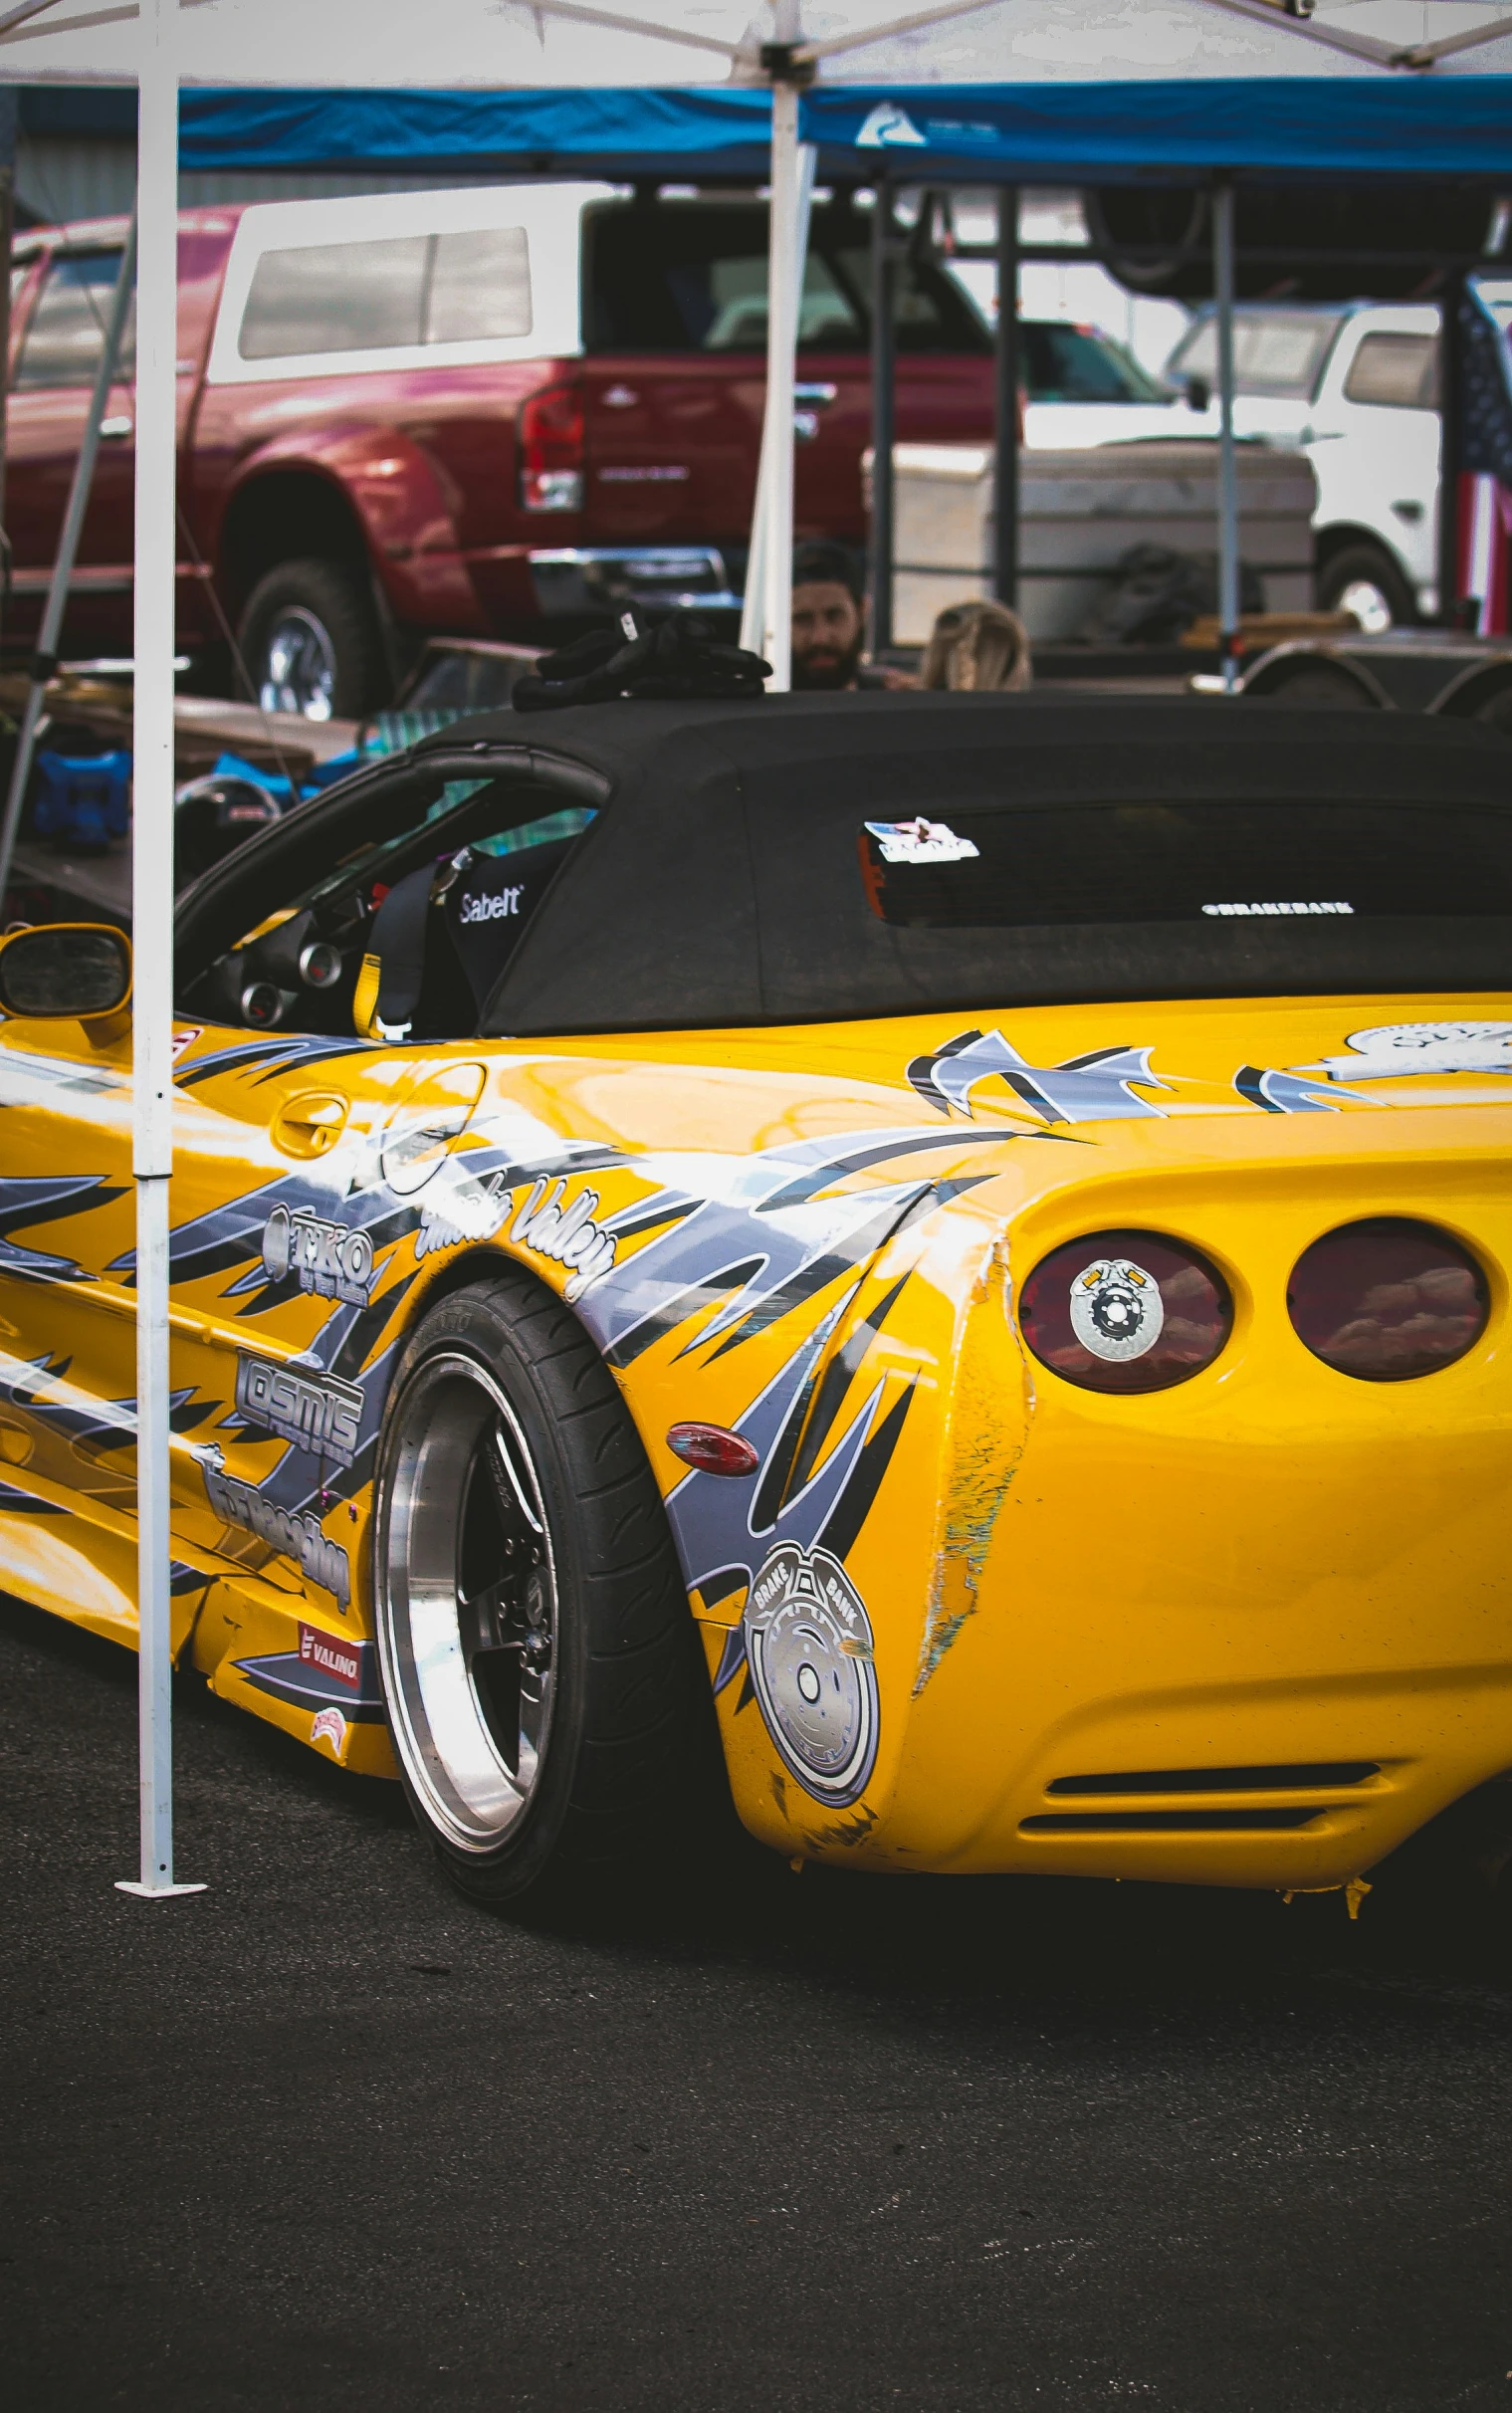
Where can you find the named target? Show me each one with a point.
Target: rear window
(1401, 371)
(691, 276)
(1280, 355)
(1026, 867)
(402, 291)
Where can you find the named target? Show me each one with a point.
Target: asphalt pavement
(712, 2139)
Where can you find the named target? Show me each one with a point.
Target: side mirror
(66, 971)
(1198, 394)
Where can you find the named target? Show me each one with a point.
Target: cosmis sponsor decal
(317, 1412)
(296, 1535)
(331, 1654)
(567, 1235)
(329, 1258)
(808, 1644)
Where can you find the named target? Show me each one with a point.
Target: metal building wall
(62, 178)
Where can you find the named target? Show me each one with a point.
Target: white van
(1355, 385)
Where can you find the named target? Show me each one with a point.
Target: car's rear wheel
(1362, 581)
(533, 1629)
(310, 642)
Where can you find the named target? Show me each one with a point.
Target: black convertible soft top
(729, 878)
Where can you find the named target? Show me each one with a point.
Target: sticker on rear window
(919, 841)
(1310, 906)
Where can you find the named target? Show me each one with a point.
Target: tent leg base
(154, 1894)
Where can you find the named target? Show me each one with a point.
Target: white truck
(1355, 387)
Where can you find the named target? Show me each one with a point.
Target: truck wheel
(534, 1636)
(310, 642)
(1362, 581)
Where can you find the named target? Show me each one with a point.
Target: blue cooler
(82, 804)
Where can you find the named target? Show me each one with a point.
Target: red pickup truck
(485, 411)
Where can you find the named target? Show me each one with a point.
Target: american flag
(1485, 476)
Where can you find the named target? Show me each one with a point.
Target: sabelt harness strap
(396, 955)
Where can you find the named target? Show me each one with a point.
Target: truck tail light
(1387, 1298)
(552, 439)
(1125, 1311)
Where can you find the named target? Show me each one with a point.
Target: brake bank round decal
(808, 1642)
(1115, 1310)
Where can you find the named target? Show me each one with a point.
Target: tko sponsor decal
(330, 1259)
(317, 1412)
(331, 1654)
(283, 1529)
(567, 1235)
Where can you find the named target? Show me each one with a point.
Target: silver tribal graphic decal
(25, 1204)
(1091, 1088)
(267, 1056)
(756, 1236)
(1288, 1093)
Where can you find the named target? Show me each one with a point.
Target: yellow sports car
(972, 1232)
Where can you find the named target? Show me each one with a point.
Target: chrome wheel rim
(298, 672)
(1370, 605)
(465, 1602)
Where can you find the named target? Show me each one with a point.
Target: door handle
(821, 394)
(309, 1126)
(115, 431)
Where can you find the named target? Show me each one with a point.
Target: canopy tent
(1314, 126)
(1009, 89)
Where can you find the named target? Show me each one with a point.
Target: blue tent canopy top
(1144, 131)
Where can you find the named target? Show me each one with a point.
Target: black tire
(502, 1371)
(1365, 566)
(329, 608)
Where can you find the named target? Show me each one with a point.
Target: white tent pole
(772, 535)
(43, 660)
(1229, 476)
(758, 609)
(152, 911)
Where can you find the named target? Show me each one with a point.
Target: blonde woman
(978, 647)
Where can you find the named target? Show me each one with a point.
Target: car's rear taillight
(1125, 1311)
(552, 449)
(1387, 1298)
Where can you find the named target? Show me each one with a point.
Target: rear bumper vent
(1302, 1777)
(1168, 1821)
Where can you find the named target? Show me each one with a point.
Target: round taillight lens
(1388, 1299)
(1125, 1311)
